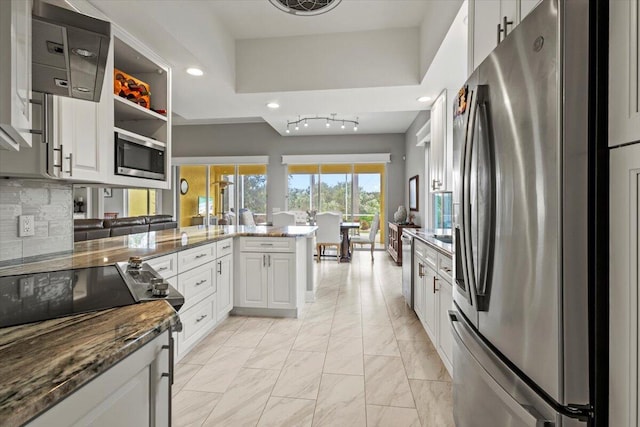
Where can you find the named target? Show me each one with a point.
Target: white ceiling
(246, 19)
(210, 33)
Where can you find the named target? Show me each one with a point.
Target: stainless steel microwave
(139, 157)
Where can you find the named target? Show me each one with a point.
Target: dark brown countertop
(426, 236)
(100, 252)
(42, 363)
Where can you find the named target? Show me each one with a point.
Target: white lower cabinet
(431, 303)
(281, 281)
(445, 340)
(271, 273)
(205, 279)
(253, 280)
(433, 298)
(134, 392)
(224, 284)
(196, 323)
(267, 280)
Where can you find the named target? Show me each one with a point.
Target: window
(354, 190)
(141, 201)
(303, 187)
(220, 191)
(252, 190)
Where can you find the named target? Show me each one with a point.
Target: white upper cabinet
(490, 22)
(15, 74)
(84, 130)
(438, 147)
(624, 71)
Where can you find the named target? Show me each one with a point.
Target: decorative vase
(400, 215)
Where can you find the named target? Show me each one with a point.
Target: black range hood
(69, 53)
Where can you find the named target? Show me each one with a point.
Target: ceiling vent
(305, 7)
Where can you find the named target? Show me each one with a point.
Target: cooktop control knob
(135, 262)
(159, 288)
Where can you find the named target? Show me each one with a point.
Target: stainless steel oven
(139, 156)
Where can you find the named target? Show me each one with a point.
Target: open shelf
(127, 110)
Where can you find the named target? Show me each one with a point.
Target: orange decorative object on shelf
(133, 89)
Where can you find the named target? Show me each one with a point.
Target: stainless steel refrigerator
(521, 229)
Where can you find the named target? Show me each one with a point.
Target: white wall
(334, 61)
(116, 202)
(415, 165)
(256, 139)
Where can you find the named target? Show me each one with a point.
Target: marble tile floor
(358, 356)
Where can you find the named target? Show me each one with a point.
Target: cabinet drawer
(419, 248)
(431, 257)
(272, 244)
(192, 258)
(196, 322)
(196, 284)
(166, 266)
(445, 268)
(224, 247)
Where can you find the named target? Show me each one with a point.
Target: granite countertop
(42, 363)
(101, 252)
(426, 236)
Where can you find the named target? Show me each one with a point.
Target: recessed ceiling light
(273, 105)
(424, 99)
(195, 71)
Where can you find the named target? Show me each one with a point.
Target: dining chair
(246, 218)
(367, 240)
(283, 219)
(328, 232)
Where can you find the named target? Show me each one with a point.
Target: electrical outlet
(27, 226)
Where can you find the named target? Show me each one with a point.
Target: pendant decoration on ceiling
(305, 7)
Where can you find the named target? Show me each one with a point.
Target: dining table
(345, 254)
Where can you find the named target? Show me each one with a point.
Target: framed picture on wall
(413, 194)
(107, 192)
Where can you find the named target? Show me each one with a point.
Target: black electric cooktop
(35, 297)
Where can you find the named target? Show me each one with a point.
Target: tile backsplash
(51, 204)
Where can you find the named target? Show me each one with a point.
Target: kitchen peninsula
(200, 262)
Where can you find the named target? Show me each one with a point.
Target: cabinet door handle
(226, 247)
(70, 158)
(220, 267)
(200, 256)
(266, 244)
(264, 260)
(200, 282)
(162, 269)
(169, 347)
(201, 318)
(269, 260)
(499, 32)
(506, 23)
(420, 274)
(59, 165)
(434, 284)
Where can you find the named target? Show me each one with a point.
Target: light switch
(26, 226)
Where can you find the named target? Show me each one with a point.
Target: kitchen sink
(444, 238)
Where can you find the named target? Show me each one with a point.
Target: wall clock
(184, 186)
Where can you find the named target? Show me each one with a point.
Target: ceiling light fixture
(305, 7)
(424, 99)
(195, 71)
(327, 120)
(273, 105)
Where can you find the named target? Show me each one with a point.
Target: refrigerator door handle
(462, 281)
(466, 208)
(527, 415)
(486, 228)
